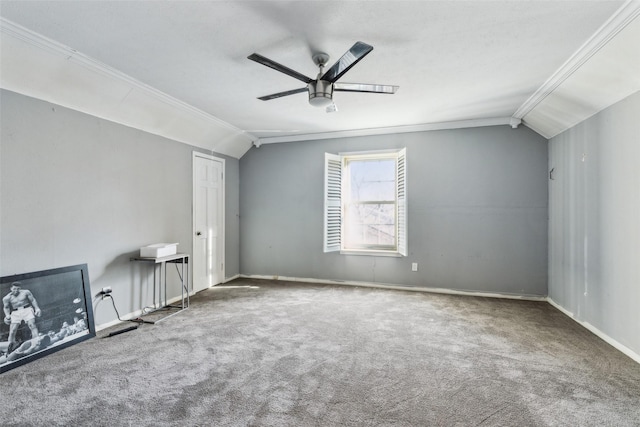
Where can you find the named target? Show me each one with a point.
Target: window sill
(371, 253)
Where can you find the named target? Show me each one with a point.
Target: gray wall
(78, 189)
(477, 211)
(594, 221)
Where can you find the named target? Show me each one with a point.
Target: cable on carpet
(137, 320)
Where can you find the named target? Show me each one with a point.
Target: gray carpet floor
(268, 353)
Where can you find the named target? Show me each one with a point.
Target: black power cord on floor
(137, 320)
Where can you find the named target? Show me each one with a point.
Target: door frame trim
(222, 233)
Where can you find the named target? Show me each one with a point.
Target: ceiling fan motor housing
(320, 93)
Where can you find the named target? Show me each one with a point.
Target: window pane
(372, 180)
(370, 225)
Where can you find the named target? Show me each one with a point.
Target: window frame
(336, 201)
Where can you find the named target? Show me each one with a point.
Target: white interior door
(208, 221)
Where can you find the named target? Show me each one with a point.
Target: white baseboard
(620, 347)
(396, 287)
(114, 322)
(129, 316)
(228, 279)
(606, 338)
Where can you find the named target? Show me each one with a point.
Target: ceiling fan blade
(278, 67)
(281, 94)
(358, 51)
(364, 87)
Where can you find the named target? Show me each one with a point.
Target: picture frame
(53, 304)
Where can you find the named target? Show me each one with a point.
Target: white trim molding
(30, 61)
(618, 21)
(553, 107)
(618, 346)
(230, 279)
(460, 124)
(132, 315)
(606, 338)
(395, 287)
(56, 48)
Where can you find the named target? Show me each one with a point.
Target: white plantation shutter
(332, 202)
(401, 188)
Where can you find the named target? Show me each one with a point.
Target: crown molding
(460, 124)
(616, 23)
(59, 50)
(37, 40)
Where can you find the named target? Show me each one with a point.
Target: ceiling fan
(321, 89)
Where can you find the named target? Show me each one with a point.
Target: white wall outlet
(414, 266)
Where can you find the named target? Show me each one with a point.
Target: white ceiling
(468, 62)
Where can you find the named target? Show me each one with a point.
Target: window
(365, 203)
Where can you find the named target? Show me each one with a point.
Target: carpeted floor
(267, 353)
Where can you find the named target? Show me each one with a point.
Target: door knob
(198, 233)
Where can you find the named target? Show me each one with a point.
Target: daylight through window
(365, 203)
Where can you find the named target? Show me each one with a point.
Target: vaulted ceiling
(180, 68)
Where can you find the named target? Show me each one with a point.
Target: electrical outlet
(414, 266)
(107, 290)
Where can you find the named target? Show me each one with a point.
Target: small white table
(160, 264)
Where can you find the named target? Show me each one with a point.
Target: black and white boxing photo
(43, 312)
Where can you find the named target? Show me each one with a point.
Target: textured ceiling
(453, 60)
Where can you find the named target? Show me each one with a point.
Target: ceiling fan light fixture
(320, 93)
